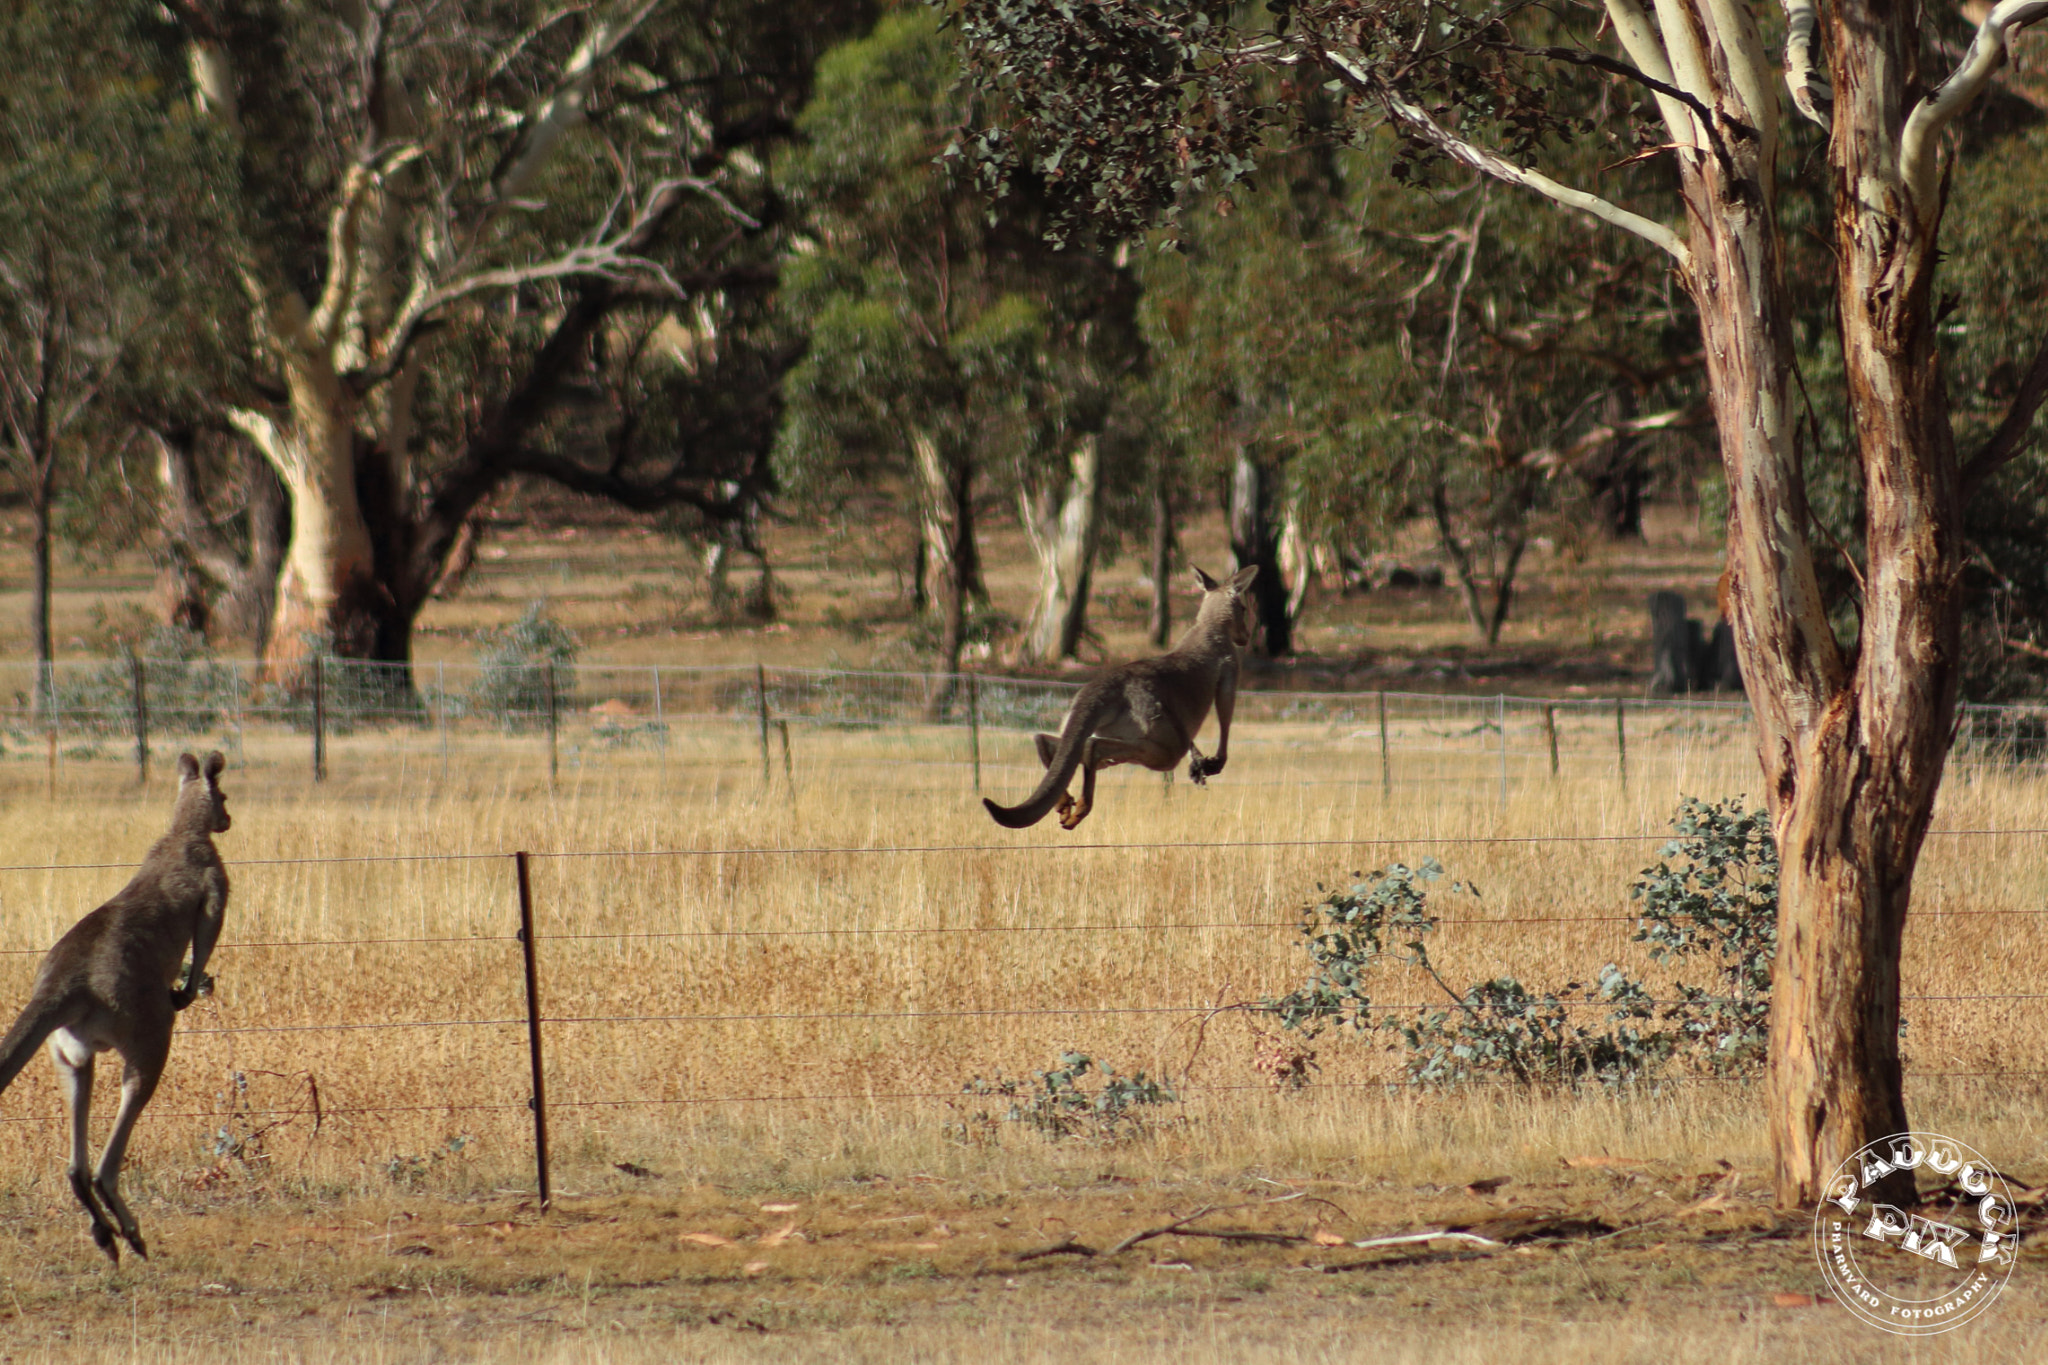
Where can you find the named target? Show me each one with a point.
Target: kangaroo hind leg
(1104, 752)
(143, 1068)
(1048, 749)
(74, 1078)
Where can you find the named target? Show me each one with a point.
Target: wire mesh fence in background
(91, 721)
(582, 987)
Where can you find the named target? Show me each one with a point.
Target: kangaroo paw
(103, 1238)
(1199, 769)
(1073, 816)
(131, 1231)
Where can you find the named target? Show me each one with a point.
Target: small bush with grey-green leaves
(1710, 898)
(1057, 1105)
(518, 666)
(186, 691)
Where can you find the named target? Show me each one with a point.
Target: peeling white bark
(1988, 51)
(1063, 537)
(1640, 41)
(1811, 93)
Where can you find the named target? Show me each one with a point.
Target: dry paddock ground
(760, 1024)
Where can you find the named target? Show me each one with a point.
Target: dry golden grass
(810, 996)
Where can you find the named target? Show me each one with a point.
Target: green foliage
(1710, 898)
(186, 689)
(1057, 1105)
(931, 321)
(525, 667)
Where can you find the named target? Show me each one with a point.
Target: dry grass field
(763, 1000)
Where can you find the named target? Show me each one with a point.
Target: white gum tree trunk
(1063, 521)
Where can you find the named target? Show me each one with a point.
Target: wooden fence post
(141, 721)
(1550, 733)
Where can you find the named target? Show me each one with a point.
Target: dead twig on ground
(1069, 1247)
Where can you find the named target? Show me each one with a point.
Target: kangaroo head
(1227, 601)
(196, 786)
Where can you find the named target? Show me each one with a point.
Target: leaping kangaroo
(112, 983)
(1147, 711)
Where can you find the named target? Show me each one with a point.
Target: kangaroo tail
(1067, 757)
(37, 1022)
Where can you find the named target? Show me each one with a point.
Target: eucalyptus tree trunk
(1255, 539)
(947, 524)
(1160, 627)
(1062, 521)
(1852, 745)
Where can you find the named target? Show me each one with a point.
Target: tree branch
(1602, 62)
(544, 127)
(344, 236)
(185, 515)
(2012, 435)
(1812, 95)
(718, 498)
(1420, 125)
(615, 259)
(1988, 51)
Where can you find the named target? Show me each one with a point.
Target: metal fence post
(761, 705)
(441, 711)
(319, 721)
(1501, 714)
(554, 759)
(1550, 733)
(1621, 741)
(660, 726)
(974, 727)
(141, 721)
(1386, 769)
(538, 1102)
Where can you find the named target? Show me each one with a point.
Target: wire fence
(546, 997)
(94, 720)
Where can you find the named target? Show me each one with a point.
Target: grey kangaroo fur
(112, 983)
(1147, 711)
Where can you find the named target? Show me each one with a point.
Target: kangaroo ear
(1242, 579)
(188, 769)
(215, 761)
(1208, 584)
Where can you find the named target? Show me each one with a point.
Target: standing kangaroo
(1147, 711)
(112, 982)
